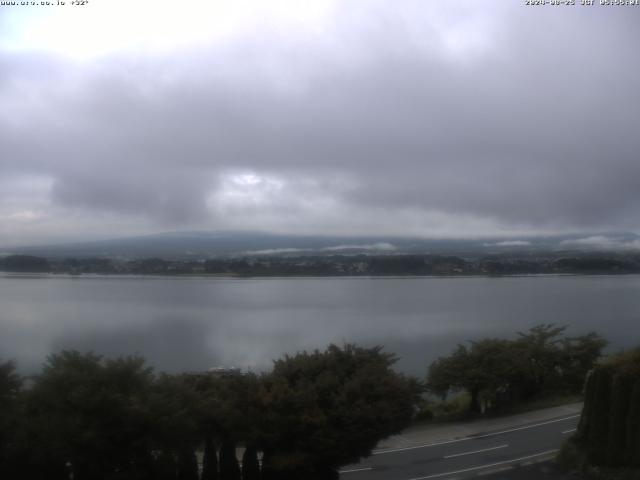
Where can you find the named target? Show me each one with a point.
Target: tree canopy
(609, 431)
(115, 419)
(498, 372)
(330, 408)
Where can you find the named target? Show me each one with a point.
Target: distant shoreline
(4, 274)
(400, 265)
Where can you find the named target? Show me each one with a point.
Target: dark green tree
(487, 370)
(209, 460)
(173, 406)
(250, 464)
(598, 432)
(166, 466)
(632, 439)
(229, 414)
(327, 409)
(24, 263)
(540, 347)
(620, 398)
(497, 372)
(609, 430)
(229, 467)
(579, 355)
(91, 413)
(187, 465)
(10, 384)
(587, 410)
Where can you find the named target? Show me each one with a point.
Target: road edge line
(481, 467)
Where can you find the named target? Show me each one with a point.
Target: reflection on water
(194, 323)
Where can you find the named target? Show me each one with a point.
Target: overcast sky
(432, 118)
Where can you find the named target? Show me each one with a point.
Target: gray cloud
(509, 243)
(459, 120)
(602, 242)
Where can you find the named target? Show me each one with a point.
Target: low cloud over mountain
(457, 119)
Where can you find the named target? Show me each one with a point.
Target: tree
(250, 464)
(498, 372)
(598, 432)
(487, 370)
(632, 439)
(174, 406)
(229, 467)
(209, 460)
(579, 356)
(165, 466)
(227, 411)
(10, 384)
(618, 414)
(187, 464)
(540, 347)
(24, 263)
(609, 430)
(92, 413)
(326, 409)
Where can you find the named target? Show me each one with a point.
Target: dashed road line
(353, 470)
(426, 445)
(476, 451)
(495, 470)
(482, 467)
(526, 427)
(464, 439)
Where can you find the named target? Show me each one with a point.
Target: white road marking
(356, 470)
(528, 426)
(446, 442)
(402, 449)
(570, 430)
(476, 451)
(481, 467)
(495, 470)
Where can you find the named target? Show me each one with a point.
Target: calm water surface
(194, 323)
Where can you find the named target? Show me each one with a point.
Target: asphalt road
(466, 457)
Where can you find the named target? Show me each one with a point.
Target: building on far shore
(223, 372)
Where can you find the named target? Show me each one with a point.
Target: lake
(193, 323)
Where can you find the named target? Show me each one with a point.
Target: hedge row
(609, 430)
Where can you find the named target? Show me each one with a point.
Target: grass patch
(539, 404)
(456, 408)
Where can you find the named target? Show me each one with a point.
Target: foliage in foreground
(104, 419)
(498, 373)
(330, 420)
(607, 442)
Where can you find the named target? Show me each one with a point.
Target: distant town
(337, 265)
